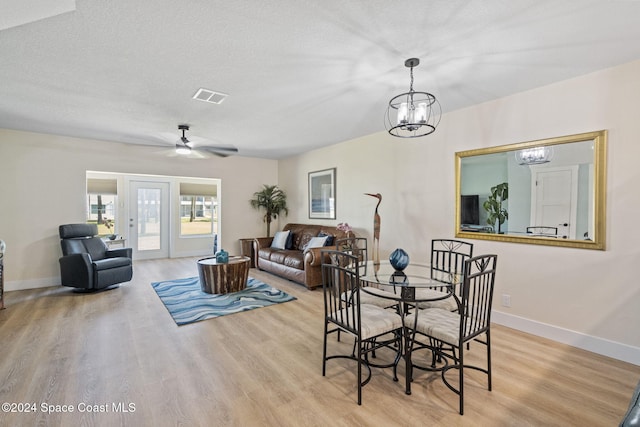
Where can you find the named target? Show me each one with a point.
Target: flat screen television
(470, 209)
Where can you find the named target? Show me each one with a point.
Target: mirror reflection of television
(470, 209)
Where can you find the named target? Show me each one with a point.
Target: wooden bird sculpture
(376, 229)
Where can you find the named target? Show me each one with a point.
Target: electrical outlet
(506, 300)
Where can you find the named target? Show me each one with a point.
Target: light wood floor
(263, 368)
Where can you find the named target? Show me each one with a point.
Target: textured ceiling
(299, 74)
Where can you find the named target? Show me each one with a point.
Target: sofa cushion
(280, 239)
(289, 244)
(294, 259)
(330, 238)
(289, 258)
(265, 253)
(316, 242)
(278, 256)
(107, 263)
(301, 243)
(297, 238)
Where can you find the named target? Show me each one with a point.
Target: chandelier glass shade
(534, 155)
(412, 114)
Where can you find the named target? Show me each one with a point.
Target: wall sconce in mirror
(552, 192)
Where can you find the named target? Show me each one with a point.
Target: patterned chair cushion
(385, 299)
(375, 320)
(440, 324)
(448, 304)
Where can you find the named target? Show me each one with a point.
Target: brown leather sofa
(300, 266)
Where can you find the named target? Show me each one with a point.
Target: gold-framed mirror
(545, 192)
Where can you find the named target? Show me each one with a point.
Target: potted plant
(109, 224)
(273, 200)
(347, 230)
(493, 205)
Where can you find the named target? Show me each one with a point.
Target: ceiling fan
(184, 146)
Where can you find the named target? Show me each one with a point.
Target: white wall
(42, 185)
(586, 298)
(583, 297)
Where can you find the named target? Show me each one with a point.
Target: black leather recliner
(632, 417)
(87, 264)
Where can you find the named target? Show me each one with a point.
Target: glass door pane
(149, 219)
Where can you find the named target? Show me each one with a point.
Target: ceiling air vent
(210, 96)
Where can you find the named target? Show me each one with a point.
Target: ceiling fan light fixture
(184, 146)
(412, 114)
(183, 149)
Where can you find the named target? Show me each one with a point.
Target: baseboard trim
(23, 285)
(601, 346)
(46, 282)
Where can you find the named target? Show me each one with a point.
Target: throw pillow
(329, 241)
(280, 239)
(315, 242)
(289, 244)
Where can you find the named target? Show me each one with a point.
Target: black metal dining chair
(545, 231)
(447, 264)
(372, 327)
(357, 246)
(454, 329)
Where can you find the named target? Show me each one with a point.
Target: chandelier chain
(411, 84)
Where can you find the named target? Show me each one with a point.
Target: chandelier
(412, 114)
(534, 156)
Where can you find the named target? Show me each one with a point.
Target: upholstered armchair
(87, 264)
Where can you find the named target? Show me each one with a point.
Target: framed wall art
(322, 194)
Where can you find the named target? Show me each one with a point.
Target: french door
(149, 219)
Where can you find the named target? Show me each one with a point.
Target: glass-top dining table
(401, 287)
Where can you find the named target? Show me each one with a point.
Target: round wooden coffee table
(223, 278)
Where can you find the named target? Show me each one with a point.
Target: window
(198, 209)
(102, 202)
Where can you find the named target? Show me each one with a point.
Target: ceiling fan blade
(198, 147)
(215, 153)
(218, 150)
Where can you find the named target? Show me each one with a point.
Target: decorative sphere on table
(399, 259)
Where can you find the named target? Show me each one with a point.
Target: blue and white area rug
(187, 303)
